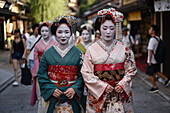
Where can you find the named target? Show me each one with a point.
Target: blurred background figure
(97, 36)
(85, 32)
(127, 39)
(30, 42)
(16, 53)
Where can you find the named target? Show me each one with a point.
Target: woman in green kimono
(85, 32)
(59, 74)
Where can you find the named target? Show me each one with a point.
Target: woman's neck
(107, 43)
(63, 46)
(46, 39)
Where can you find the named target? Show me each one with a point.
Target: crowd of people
(83, 76)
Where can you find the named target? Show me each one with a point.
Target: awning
(135, 6)
(7, 12)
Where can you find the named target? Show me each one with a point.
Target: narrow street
(16, 100)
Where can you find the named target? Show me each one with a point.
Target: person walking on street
(153, 67)
(59, 77)
(16, 53)
(108, 68)
(127, 39)
(30, 42)
(46, 42)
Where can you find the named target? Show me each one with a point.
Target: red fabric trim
(40, 53)
(104, 67)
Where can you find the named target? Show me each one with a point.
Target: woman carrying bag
(16, 53)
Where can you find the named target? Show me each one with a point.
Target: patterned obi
(110, 73)
(40, 55)
(63, 76)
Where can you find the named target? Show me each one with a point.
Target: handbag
(115, 106)
(26, 76)
(64, 107)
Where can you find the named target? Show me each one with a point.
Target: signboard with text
(162, 5)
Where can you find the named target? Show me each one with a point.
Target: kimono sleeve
(79, 84)
(130, 71)
(36, 62)
(46, 86)
(95, 86)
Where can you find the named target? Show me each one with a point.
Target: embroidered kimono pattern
(40, 47)
(60, 69)
(112, 65)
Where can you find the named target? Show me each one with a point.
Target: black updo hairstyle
(39, 29)
(84, 28)
(100, 20)
(55, 25)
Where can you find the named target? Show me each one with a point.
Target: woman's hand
(57, 93)
(118, 89)
(70, 93)
(109, 89)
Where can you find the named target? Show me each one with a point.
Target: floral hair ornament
(48, 23)
(71, 20)
(87, 26)
(117, 19)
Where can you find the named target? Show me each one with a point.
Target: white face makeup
(45, 32)
(85, 35)
(107, 30)
(63, 34)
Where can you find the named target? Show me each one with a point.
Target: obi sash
(40, 55)
(110, 73)
(62, 75)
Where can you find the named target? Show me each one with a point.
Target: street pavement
(16, 99)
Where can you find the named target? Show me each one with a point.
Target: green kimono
(51, 57)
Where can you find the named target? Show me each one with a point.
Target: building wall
(166, 39)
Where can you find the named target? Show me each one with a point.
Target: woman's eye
(112, 28)
(59, 32)
(104, 28)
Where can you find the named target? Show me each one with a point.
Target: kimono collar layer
(63, 52)
(46, 42)
(108, 49)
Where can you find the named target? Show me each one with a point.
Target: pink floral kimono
(40, 47)
(104, 65)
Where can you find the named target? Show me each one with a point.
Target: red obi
(62, 76)
(104, 67)
(109, 73)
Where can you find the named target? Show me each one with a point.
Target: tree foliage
(46, 10)
(85, 5)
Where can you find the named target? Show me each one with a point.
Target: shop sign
(134, 16)
(162, 5)
(125, 2)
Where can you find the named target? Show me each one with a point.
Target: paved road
(16, 100)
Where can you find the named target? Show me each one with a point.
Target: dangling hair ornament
(117, 19)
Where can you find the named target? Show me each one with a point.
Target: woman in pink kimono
(108, 68)
(45, 43)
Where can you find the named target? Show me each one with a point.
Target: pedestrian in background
(16, 53)
(127, 39)
(153, 67)
(30, 42)
(97, 36)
